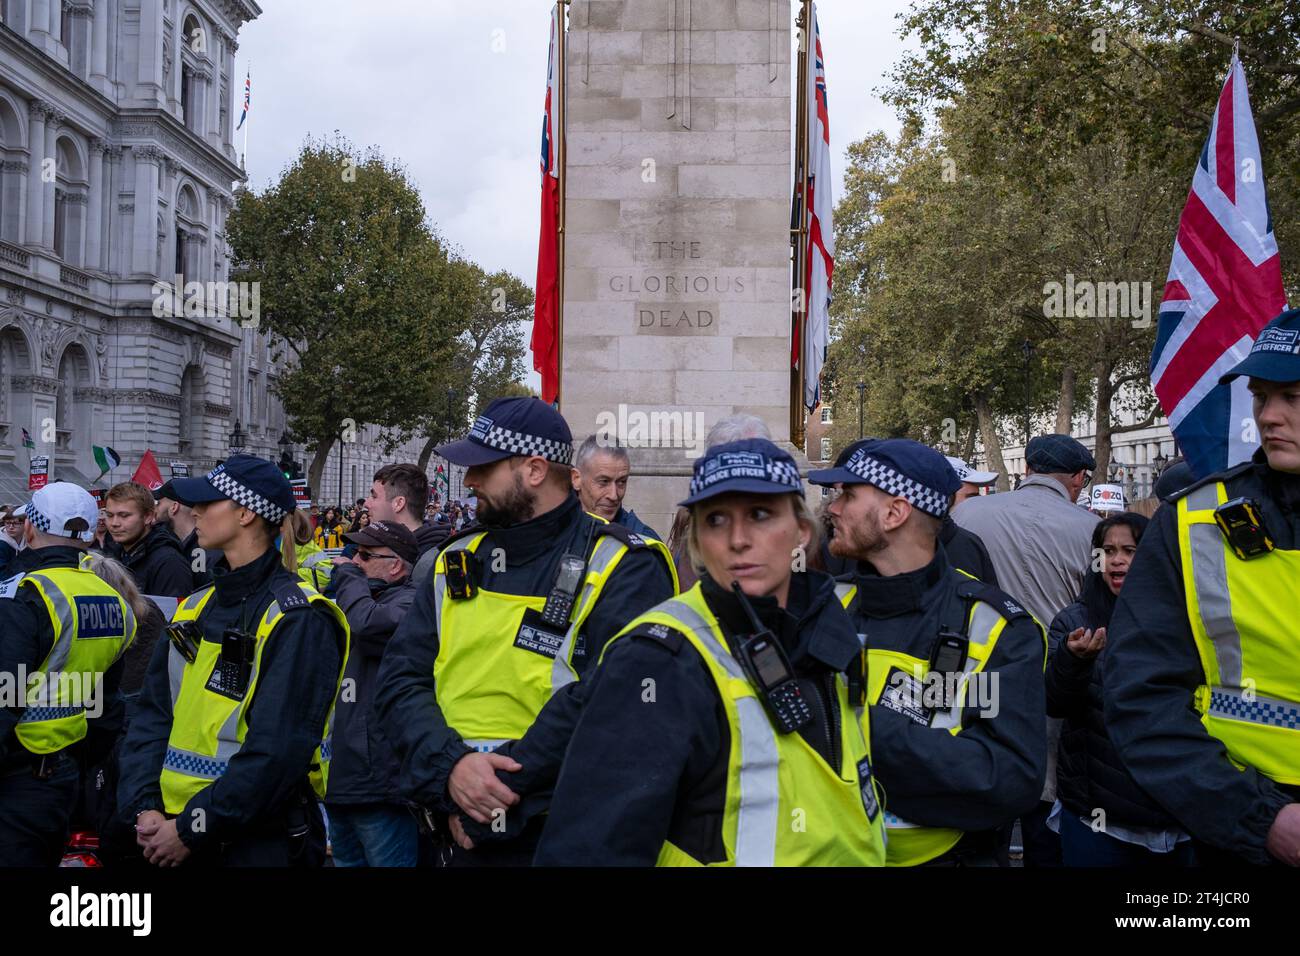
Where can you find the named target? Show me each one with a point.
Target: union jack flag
(248, 99)
(1224, 285)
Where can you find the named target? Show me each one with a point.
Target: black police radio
(568, 578)
(768, 669)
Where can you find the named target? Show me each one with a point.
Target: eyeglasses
(371, 556)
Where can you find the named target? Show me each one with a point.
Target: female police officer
(222, 757)
(747, 683)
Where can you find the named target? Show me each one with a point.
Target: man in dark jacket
(150, 551)
(600, 474)
(518, 455)
(180, 519)
(1202, 663)
(399, 494)
(38, 772)
(955, 766)
(369, 825)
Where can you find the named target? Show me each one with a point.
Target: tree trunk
(426, 453)
(1065, 403)
(992, 446)
(1105, 392)
(317, 469)
(968, 449)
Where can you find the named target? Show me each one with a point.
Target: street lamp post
(1027, 350)
(451, 397)
(341, 434)
(237, 438)
(862, 387)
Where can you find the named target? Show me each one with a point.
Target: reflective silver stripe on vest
(1210, 578)
(562, 672)
(843, 589)
(759, 779)
(175, 672)
(1231, 704)
(58, 655)
(485, 746)
(440, 578)
(979, 631)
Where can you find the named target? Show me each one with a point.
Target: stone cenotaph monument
(676, 275)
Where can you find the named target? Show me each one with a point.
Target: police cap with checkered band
(897, 466)
(510, 427)
(251, 482)
(752, 465)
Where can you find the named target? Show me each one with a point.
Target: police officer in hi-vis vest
(958, 705)
(1202, 666)
(63, 632)
(229, 751)
(727, 726)
(518, 608)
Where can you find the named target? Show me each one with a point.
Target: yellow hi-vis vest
(93, 627)
(1243, 619)
(314, 565)
(784, 806)
(208, 728)
(493, 676)
(911, 844)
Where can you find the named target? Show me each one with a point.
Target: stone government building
(116, 168)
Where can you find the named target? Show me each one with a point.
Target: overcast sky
(419, 80)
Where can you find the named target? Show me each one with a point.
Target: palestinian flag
(106, 458)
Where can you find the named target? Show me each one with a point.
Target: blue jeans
(1083, 846)
(373, 834)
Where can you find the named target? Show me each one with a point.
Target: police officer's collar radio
(765, 664)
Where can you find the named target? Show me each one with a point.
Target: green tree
(489, 359)
(357, 292)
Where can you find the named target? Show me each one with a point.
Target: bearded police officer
(955, 666)
(228, 752)
(1202, 666)
(518, 609)
(63, 632)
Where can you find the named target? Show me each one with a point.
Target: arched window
(187, 96)
(70, 196)
(189, 431)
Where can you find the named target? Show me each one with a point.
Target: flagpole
(248, 88)
(798, 319)
(560, 116)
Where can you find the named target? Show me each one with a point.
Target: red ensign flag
(546, 308)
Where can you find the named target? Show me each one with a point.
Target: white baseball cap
(968, 474)
(58, 503)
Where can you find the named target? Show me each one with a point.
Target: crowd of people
(909, 674)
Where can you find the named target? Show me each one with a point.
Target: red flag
(546, 307)
(148, 474)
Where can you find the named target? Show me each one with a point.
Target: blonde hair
(302, 533)
(288, 547)
(114, 573)
(803, 514)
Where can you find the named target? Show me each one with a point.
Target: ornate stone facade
(116, 169)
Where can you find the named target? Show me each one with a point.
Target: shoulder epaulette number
(289, 596)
